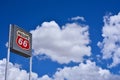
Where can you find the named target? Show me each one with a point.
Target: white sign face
(21, 41)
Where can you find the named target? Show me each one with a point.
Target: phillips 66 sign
(20, 41)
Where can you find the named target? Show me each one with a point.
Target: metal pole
(8, 56)
(30, 73)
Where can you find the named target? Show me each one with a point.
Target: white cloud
(88, 71)
(45, 77)
(78, 18)
(14, 72)
(111, 42)
(6, 44)
(62, 45)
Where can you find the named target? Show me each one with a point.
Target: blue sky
(70, 38)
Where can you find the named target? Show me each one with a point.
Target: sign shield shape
(23, 42)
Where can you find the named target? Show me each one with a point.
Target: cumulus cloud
(88, 71)
(65, 44)
(84, 71)
(15, 73)
(45, 77)
(77, 18)
(111, 43)
(6, 44)
(12, 72)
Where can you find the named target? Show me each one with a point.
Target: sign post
(20, 42)
(30, 68)
(8, 55)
